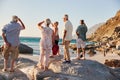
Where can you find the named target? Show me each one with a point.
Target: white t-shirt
(69, 28)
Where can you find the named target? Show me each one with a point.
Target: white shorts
(80, 43)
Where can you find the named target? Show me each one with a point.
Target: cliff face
(93, 29)
(107, 29)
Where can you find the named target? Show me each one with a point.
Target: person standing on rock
(46, 43)
(67, 37)
(10, 35)
(55, 49)
(81, 34)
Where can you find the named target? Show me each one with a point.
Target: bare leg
(41, 59)
(46, 59)
(58, 52)
(78, 53)
(5, 64)
(12, 65)
(83, 53)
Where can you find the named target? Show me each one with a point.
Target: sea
(33, 42)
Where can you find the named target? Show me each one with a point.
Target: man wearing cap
(67, 37)
(10, 35)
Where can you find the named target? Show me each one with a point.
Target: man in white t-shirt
(67, 37)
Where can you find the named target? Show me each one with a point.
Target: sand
(97, 57)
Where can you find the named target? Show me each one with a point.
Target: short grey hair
(48, 21)
(14, 17)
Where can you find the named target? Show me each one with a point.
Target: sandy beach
(97, 57)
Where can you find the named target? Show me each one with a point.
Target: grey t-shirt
(12, 31)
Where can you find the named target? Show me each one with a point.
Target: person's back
(82, 30)
(45, 43)
(81, 33)
(46, 37)
(12, 31)
(10, 35)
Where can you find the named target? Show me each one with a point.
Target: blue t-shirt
(12, 31)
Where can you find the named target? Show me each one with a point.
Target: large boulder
(112, 63)
(21, 69)
(84, 70)
(77, 70)
(25, 49)
(17, 75)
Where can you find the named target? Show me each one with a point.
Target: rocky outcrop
(91, 48)
(112, 63)
(93, 29)
(17, 75)
(22, 49)
(107, 29)
(25, 49)
(20, 66)
(77, 70)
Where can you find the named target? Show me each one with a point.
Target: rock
(117, 70)
(55, 58)
(84, 70)
(77, 70)
(22, 49)
(87, 47)
(108, 28)
(42, 74)
(1, 77)
(118, 45)
(73, 46)
(22, 67)
(25, 49)
(17, 75)
(112, 63)
(118, 13)
(23, 62)
(92, 52)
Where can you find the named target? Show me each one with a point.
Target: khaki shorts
(12, 51)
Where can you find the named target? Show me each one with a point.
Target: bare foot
(51, 56)
(77, 58)
(84, 58)
(12, 70)
(40, 66)
(45, 68)
(4, 70)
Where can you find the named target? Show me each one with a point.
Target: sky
(31, 12)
